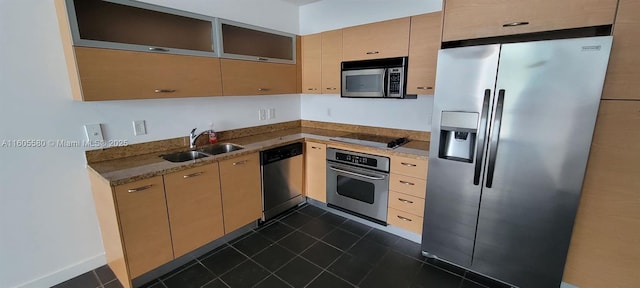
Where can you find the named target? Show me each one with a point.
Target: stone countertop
(125, 170)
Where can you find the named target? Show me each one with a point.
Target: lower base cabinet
(316, 171)
(241, 190)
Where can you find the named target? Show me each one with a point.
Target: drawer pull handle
(164, 90)
(408, 164)
(317, 148)
(263, 59)
(514, 24)
(424, 88)
(263, 89)
(139, 189)
(312, 89)
(240, 163)
(404, 218)
(406, 183)
(405, 201)
(331, 88)
(372, 52)
(192, 175)
(156, 49)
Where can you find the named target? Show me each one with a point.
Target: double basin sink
(202, 152)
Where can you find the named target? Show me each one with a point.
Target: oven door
(363, 191)
(363, 83)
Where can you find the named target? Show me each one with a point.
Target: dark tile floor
(308, 247)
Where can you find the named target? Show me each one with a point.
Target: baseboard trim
(66, 273)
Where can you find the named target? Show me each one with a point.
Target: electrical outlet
(262, 114)
(139, 127)
(94, 132)
(272, 113)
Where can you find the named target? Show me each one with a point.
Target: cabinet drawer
(405, 220)
(406, 203)
(408, 166)
(119, 75)
(408, 185)
(144, 223)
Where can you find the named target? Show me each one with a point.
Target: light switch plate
(262, 114)
(272, 113)
(94, 132)
(139, 127)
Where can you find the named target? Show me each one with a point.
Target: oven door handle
(357, 174)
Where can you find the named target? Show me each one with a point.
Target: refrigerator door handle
(495, 136)
(484, 119)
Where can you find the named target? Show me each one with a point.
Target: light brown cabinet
(241, 77)
(376, 40)
(623, 72)
(424, 43)
(312, 64)
(195, 207)
(241, 190)
(316, 171)
(487, 18)
(407, 193)
(331, 61)
(607, 226)
(106, 74)
(142, 214)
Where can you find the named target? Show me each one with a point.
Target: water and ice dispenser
(458, 131)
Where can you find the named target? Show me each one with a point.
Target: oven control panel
(362, 160)
(376, 162)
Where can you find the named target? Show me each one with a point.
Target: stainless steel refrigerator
(511, 132)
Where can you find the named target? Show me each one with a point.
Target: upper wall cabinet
(377, 40)
(132, 25)
(312, 64)
(465, 19)
(331, 59)
(247, 42)
(423, 52)
(241, 77)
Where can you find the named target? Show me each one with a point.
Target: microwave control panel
(395, 82)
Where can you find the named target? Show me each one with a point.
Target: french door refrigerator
(512, 127)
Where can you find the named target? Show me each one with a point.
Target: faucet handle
(194, 130)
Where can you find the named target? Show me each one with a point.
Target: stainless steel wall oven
(358, 183)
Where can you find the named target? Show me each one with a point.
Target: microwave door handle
(385, 81)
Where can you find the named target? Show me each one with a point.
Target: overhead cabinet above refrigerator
(512, 128)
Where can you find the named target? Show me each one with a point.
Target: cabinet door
(486, 18)
(144, 222)
(256, 78)
(195, 207)
(423, 53)
(312, 64)
(248, 42)
(607, 226)
(624, 65)
(241, 191)
(316, 171)
(377, 40)
(119, 75)
(331, 61)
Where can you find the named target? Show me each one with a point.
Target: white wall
(410, 114)
(48, 226)
(334, 14)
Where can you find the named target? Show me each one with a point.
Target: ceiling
(301, 2)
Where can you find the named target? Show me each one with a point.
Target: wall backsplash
(409, 114)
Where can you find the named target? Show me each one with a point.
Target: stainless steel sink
(184, 156)
(220, 148)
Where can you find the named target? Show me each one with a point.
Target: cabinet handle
(408, 164)
(514, 24)
(263, 59)
(263, 89)
(405, 201)
(139, 189)
(312, 89)
(192, 175)
(156, 49)
(317, 148)
(372, 52)
(331, 88)
(424, 88)
(404, 218)
(164, 90)
(240, 163)
(406, 183)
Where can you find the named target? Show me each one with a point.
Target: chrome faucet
(193, 137)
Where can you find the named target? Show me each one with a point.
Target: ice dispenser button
(458, 135)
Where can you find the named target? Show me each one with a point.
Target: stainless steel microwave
(378, 78)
